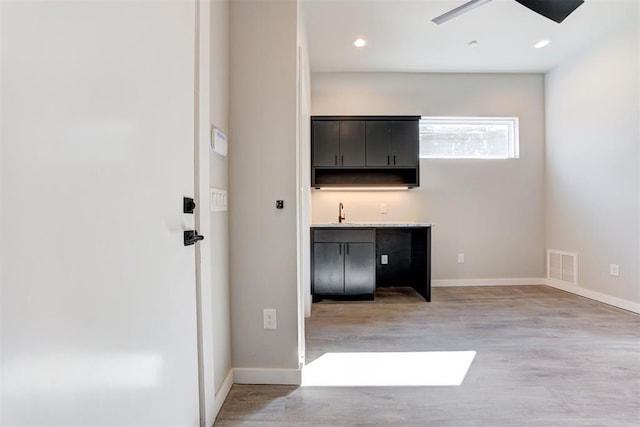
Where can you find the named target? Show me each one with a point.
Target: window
(469, 137)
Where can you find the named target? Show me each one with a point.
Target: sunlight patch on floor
(422, 368)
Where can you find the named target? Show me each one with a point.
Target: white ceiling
(401, 36)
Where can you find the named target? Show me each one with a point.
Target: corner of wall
(593, 190)
(262, 169)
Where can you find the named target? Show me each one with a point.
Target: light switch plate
(384, 259)
(218, 200)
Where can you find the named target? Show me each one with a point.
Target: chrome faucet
(341, 216)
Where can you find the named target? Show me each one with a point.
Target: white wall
(592, 159)
(218, 178)
(490, 210)
(262, 169)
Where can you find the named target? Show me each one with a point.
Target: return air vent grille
(562, 266)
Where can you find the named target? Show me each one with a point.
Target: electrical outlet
(270, 318)
(614, 270)
(460, 258)
(384, 259)
(383, 208)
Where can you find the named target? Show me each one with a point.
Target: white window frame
(513, 149)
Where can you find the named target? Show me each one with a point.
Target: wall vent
(562, 266)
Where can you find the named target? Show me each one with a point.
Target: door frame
(208, 404)
(303, 211)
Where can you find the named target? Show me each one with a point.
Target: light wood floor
(544, 358)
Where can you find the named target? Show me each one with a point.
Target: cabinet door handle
(388, 161)
(335, 160)
(342, 160)
(394, 159)
(347, 245)
(339, 248)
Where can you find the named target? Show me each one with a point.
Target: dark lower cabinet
(328, 268)
(346, 262)
(359, 269)
(344, 268)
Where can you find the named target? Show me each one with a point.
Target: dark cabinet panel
(396, 244)
(409, 258)
(365, 177)
(392, 143)
(404, 143)
(378, 143)
(421, 261)
(328, 268)
(352, 143)
(344, 235)
(338, 143)
(326, 143)
(359, 268)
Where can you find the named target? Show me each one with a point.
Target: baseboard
(223, 392)
(267, 376)
(597, 296)
(488, 282)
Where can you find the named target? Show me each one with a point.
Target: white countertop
(373, 224)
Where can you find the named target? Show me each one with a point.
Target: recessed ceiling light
(472, 43)
(359, 42)
(541, 43)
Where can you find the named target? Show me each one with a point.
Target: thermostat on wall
(218, 141)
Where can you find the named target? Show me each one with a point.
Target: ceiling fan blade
(556, 10)
(459, 11)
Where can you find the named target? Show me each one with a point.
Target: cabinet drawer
(348, 235)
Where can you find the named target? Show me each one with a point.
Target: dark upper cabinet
(364, 151)
(352, 143)
(338, 143)
(392, 143)
(326, 142)
(404, 143)
(378, 136)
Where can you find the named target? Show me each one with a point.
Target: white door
(98, 301)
